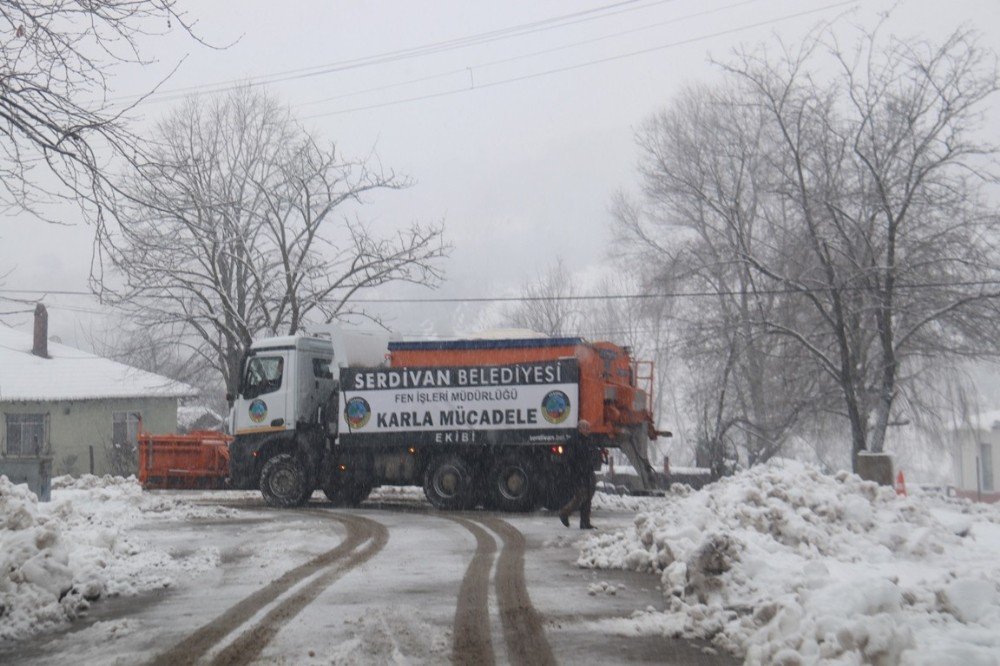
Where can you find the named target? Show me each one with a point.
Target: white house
(79, 409)
(977, 456)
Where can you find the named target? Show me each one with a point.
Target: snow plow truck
(475, 422)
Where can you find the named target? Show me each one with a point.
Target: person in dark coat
(583, 458)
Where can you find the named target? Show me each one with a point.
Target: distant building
(81, 410)
(977, 459)
(199, 417)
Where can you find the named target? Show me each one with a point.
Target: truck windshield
(263, 375)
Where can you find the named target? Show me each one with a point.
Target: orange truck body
(615, 390)
(199, 459)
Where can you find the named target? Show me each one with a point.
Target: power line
(588, 63)
(431, 48)
(532, 54)
(53, 292)
(76, 308)
(664, 295)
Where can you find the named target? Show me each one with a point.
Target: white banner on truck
(530, 397)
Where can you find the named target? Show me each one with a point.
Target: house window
(125, 428)
(986, 466)
(27, 434)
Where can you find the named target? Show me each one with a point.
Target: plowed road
(386, 583)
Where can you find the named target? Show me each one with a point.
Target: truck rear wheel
(284, 481)
(513, 484)
(448, 483)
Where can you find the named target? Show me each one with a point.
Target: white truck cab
(285, 382)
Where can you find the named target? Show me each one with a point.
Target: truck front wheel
(513, 484)
(448, 483)
(284, 481)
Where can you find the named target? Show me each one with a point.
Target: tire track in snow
(524, 634)
(522, 624)
(252, 642)
(472, 642)
(198, 644)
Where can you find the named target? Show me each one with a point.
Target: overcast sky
(517, 144)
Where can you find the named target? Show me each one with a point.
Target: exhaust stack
(40, 348)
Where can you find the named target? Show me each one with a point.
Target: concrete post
(876, 467)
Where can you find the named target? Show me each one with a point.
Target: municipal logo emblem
(258, 411)
(555, 407)
(357, 412)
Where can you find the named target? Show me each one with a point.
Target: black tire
(449, 484)
(514, 484)
(284, 481)
(336, 495)
(558, 491)
(351, 494)
(361, 493)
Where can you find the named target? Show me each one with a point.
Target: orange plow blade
(197, 460)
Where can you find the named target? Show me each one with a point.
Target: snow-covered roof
(988, 420)
(277, 341)
(72, 374)
(505, 334)
(188, 415)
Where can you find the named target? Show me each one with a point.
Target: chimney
(41, 345)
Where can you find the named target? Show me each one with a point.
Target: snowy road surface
(777, 564)
(391, 582)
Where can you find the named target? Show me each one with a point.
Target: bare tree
(864, 241)
(243, 224)
(878, 173)
(548, 306)
(702, 166)
(58, 124)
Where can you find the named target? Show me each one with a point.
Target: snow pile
(609, 502)
(604, 587)
(783, 564)
(58, 557)
(38, 583)
(122, 501)
(390, 494)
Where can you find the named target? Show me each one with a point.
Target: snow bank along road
(391, 582)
